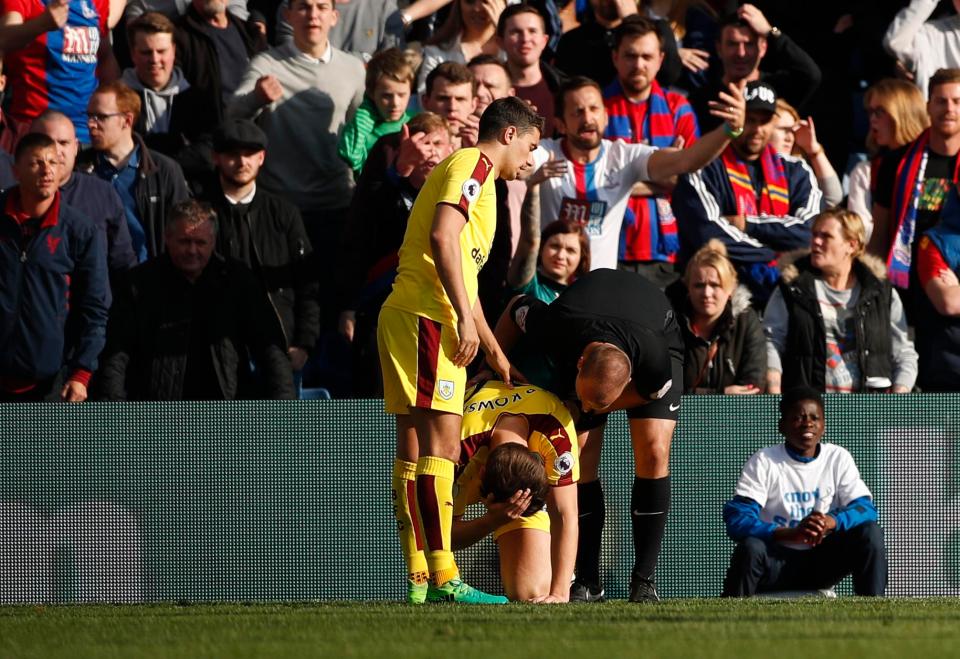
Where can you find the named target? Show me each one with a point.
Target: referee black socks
(649, 505)
(592, 513)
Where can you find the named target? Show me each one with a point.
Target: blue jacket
(701, 199)
(97, 199)
(60, 272)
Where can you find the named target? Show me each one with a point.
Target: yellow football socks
(408, 526)
(435, 510)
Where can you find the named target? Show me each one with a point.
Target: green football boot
(457, 591)
(416, 592)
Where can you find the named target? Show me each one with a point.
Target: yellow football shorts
(539, 520)
(415, 357)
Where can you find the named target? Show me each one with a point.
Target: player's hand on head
(513, 508)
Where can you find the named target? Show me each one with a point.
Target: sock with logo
(649, 505)
(434, 478)
(408, 525)
(592, 514)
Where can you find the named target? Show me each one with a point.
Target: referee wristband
(731, 132)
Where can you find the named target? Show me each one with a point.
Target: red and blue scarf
(775, 194)
(653, 123)
(906, 198)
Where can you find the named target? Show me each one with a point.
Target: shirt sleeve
(637, 157)
(776, 321)
(905, 358)
(930, 261)
(849, 484)
(463, 181)
(753, 480)
(25, 8)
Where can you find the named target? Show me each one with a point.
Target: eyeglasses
(100, 117)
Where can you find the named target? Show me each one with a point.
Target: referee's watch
(774, 33)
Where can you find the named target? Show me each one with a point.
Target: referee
(612, 343)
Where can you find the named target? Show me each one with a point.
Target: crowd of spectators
(205, 199)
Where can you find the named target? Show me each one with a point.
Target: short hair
(52, 115)
(128, 101)
(570, 227)
(149, 23)
(607, 364)
(485, 59)
(428, 122)
(943, 77)
(851, 226)
(32, 141)
(516, 10)
(798, 394)
(192, 213)
(454, 73)
(904, 104)
(392, 64)
(511, 467)
(508, 111)
(635, 26)
(573, 84)
(713, 255)
(731, 19)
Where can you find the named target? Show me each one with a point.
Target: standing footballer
(431, 327)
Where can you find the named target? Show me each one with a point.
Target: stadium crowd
(206, 200)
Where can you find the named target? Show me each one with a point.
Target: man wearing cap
(758, 202)
(266, 233)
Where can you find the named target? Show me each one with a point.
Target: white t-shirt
(594, 194)
(788, 490)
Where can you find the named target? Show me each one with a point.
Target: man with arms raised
(430, 329)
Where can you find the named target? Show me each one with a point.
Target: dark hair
(515, 10)
(392, 64)
(454, 73)
(797, 394)
(943, 77)
(149, 23)
(730, 20)
(635, 26)
(509, 111)
(571, 85)
(32, 141)
(570, 226)
(485, 59)
(511, 467)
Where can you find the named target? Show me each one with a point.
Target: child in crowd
(389, 83)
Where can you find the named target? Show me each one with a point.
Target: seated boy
(801, 515)
(384, 108)
(519, 448)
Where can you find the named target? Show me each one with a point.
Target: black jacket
(741, 348)
(267, 235)
(159, 318)
(197, 56)
(805, 352)
(160, 185)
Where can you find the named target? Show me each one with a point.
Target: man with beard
(264, 232)
(213, 49)
(912, 185)
(640, 111)
(592, 182)
(758, 202)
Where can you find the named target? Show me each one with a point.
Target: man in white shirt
(801, 515)
(588, 179)
(924, 46)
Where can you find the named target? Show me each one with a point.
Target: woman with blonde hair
(793, 136)
(834, 322)
(724, 347)
(898, 114)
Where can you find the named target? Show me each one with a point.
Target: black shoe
(580, 592)
(643, 590)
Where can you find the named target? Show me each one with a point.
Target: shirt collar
(323, 59)
(13, 209)
(133, 161)
(246, 199)
(800, 458)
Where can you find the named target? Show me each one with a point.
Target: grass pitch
(840, 629)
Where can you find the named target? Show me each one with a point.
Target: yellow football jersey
(465, 179)
(552, 436)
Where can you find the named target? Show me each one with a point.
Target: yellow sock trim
(441, 577)
(403, 476)
(433, 466)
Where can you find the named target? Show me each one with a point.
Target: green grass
(840, 629)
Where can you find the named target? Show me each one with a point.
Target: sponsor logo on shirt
(80, 44)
